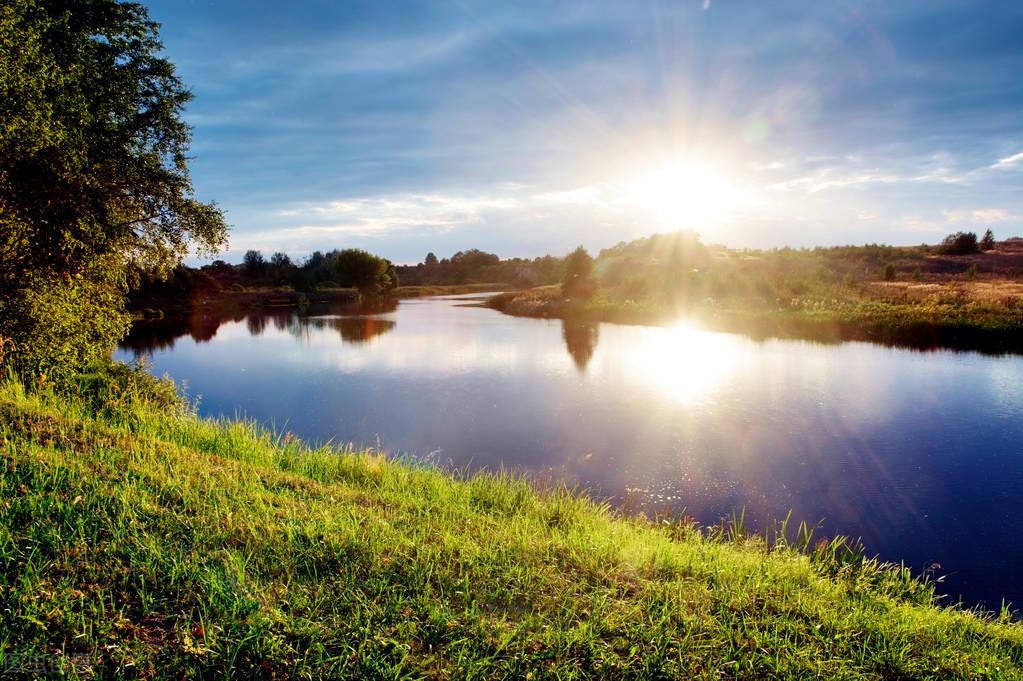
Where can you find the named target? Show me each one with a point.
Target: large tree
(369, 273)
(93, 174)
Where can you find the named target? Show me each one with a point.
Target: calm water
(921, 454)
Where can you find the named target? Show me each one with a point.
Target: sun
(683, 194)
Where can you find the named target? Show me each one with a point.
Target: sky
(525, 128)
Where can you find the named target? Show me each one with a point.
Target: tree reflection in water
(351, 329)
(352, 321)
(580, 340)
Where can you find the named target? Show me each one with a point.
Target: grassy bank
(939, 316)
(914, 296)
(142, 542)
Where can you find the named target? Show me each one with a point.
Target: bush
(889, 272)
(114, 387)
(960, 243)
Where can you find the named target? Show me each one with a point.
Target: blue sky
(529, 127)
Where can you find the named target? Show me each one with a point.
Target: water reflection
(916, 453)
(351, 329)
(684, 363)
(350, 320)
(581, 341)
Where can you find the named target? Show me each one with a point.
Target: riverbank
(232, 302)
(923, 317)
(137, 539)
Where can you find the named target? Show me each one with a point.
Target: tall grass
(137, 540)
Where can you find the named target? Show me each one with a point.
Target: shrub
(960, 243)
(889, 272)
(107, 386)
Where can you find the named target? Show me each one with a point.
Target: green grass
(946, 322)
(141, 542)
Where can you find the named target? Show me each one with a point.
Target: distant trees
(960, 243)
(360, 269)
(253, 264)
(577, 280)
(987, 242)
(281, 269)
(480, 267)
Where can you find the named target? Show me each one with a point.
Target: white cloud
(1008, 161)
(979, 215)
(838, 177)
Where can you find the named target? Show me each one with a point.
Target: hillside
(144, 543)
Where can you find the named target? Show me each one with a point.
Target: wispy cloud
(378, 215)
(1008, 161)
(980, 215)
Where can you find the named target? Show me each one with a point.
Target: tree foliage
(960, 243)
(987, 242)
(363, 270)
(93, 173)
(578, 280)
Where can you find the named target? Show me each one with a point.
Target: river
(918, 453)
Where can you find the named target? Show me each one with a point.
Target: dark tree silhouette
(960, 243)
(987, 242)
(253, 263)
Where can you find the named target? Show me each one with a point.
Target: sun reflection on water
(684, 362)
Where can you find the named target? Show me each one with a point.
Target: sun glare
(683, 194)
(683, 362)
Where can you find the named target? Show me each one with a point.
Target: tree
(577, 280)
(363, 270)
(960, 243)
(253, 264)
(431, 259)
(281, 267)
(987, 242)
(93, 175)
